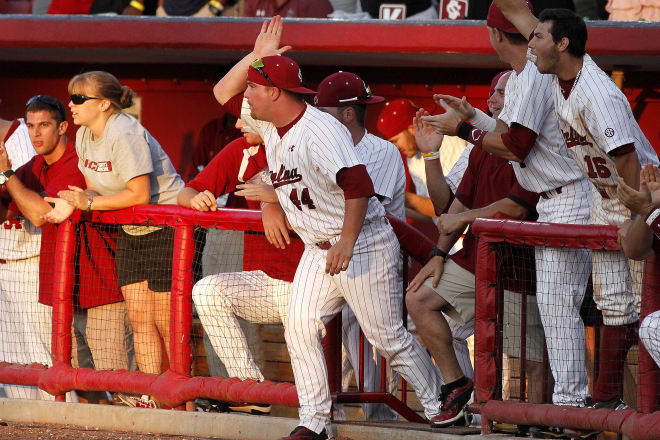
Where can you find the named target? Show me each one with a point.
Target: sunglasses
(258, 65)
(81, 99)
(49, 101)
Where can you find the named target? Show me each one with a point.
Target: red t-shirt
(70, 6)
(290, 8)
(237, 163)
(213, 137)
(487, 179)
(96, 278)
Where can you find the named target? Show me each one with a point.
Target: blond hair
(105, 85)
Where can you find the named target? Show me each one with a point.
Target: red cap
(342, 89)
(493, 83)
(282, 73)
(396, 116)
(497, 20)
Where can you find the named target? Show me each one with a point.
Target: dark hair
(567, 24)
(515, 38)
(49, 104)
(360, 113)
(105, 85)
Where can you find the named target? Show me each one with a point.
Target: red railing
(643, 425)
(175, 386)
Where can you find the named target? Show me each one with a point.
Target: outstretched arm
(516, 12)
(267, 44)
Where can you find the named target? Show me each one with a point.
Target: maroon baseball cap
(497, 20)
(278, 71)
(343, 89)
(396, 116)
(493, 83)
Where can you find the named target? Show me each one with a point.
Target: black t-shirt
(118, 6)
(183, 7)
(412, 6)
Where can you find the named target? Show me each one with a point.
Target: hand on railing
(61, 211)
(204, 201)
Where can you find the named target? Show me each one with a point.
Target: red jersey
(487, 179)
(213, 137)
(235, 164)
(289, 9)
(96, 278)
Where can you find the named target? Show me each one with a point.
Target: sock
(615, 341)
(455, 384)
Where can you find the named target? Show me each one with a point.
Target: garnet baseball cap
(395, 117)
(278, 71)
(342, 89)
(497, 20)
(493, 83)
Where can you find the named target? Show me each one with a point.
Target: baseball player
(26, 324)
(527, 133)
(641, 238)
(607, 143)
(351, 253)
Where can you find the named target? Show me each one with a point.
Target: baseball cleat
(454, 405)
(303, 433)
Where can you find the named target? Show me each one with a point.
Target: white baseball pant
(368, 287)
(561, 280)
(649, 333)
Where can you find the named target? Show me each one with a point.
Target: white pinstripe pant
(367, 286)
(649, 333)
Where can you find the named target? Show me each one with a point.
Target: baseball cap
(396, 116)
(493, 83)
(342, 89)
(497, 20)
(278, 71)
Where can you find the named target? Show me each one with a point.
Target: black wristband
(463, 130)
(436, 252)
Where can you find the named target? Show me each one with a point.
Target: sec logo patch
(609, 132)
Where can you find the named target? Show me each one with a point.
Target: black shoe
(211, 405)
(303, 433)
(616, 404)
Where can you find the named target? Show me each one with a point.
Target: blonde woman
(124, 166)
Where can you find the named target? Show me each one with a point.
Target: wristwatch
(435, 252)
(4, 177)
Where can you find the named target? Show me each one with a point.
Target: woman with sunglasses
(124, 166)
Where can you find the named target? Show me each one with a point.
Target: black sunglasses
(81, 99)
(50, 101)
(258, 66)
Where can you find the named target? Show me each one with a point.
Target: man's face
(44, 131)
(259, 98)
(496, 100)
(250, 138)
(405, 142)
(544, 48)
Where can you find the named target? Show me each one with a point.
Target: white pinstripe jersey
(596, 119)
(19, 237)
(303, 167)
(528, 101)
(385, 167)
(456, 173)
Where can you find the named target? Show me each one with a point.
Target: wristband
(483, 121)
(216, 7)
(437, 252)
(468, 132)
(89, 202)
(653, 217)
(431, 156)
(137, 5)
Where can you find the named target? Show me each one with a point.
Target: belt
(549, 194)
(325, 245)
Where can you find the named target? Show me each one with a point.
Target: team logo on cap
(300, 74)
(316, 100)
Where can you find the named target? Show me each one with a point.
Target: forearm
(185, 196)
(627, 166)
(447, 241)
(505, 206)
(356, 209)
(123, 199)
(31, 204)
(493, 144)
(639, 240)
(421, 204)
(437, 185)
(234, 81)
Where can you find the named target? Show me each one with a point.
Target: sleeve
(519, 140)
(524, 198)
(233, 106)
(465, 190)
(456, 173)
(220, 176)
(608, 117)
(258, 127)
(331, 147)
(65, 177)
(132, 154)
(355, 182)
(385, 168)
(529, 100)
(19, 147)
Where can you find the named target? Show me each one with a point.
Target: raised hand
(651, 175)
(462, 108)
(5, 162)
(445, 123)
(268, 40)
(640, 201)
(427, 139)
